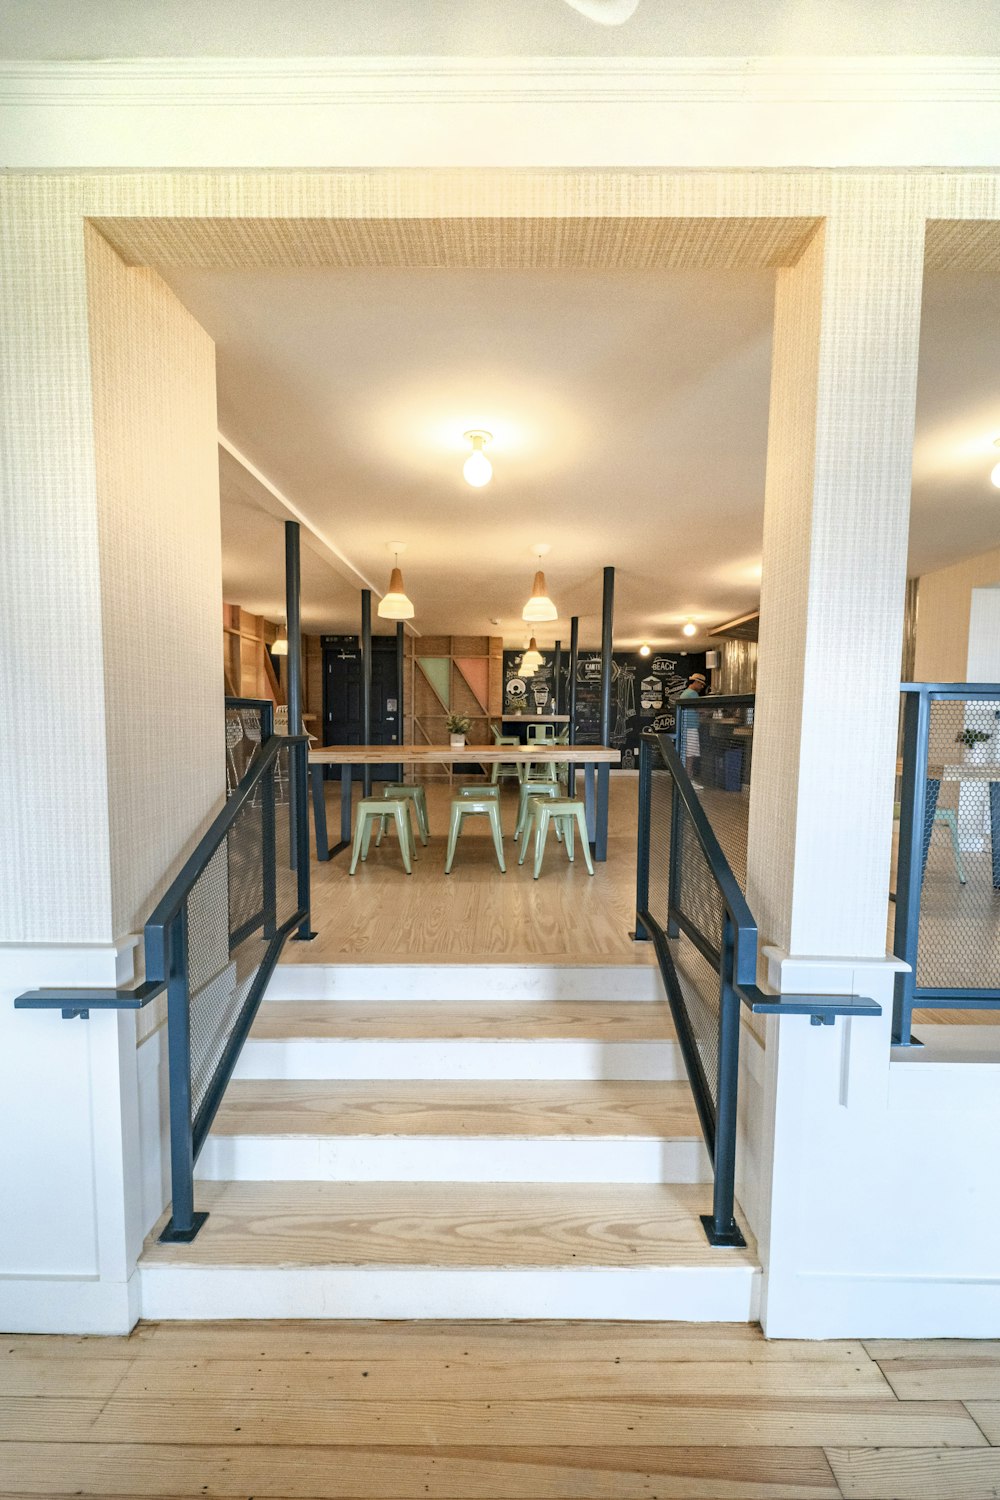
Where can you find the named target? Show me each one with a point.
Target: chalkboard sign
(643, 692)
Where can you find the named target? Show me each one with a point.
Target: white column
(846, 336)
(111, 681)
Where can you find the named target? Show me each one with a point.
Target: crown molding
(474, 80)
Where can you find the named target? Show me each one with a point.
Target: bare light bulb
(644, 650)
(690, 628)
(995, 475)
(477, 468)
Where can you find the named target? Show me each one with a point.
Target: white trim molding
(178, 113)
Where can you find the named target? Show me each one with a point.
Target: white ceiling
(629, 413)
(82, 29)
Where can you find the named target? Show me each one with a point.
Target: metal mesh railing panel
(244, 737)
(959, 934)
(716, 743)
(244, 894)
(700, 983)
(660, 799)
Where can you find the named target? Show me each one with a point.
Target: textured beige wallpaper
(943, 616)
(156, 454)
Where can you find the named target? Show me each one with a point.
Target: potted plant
(458, 727)
(975, 742)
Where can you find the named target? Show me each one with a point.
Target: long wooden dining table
(596, 761)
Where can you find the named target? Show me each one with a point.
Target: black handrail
(732, 952)
(167, 959)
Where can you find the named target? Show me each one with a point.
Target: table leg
(995, 831)
(319, 812)
(590, 801)
(930, 808)
(346, 782)
(603, 797)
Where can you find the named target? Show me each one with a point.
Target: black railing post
(607, 665)
(574, 656)
(720, 1225)
(269, 851)
(183, 1223)
(400, 721)
(298, 767)
(366, 683)
(556, 674)
(912, 856)
(642, 842)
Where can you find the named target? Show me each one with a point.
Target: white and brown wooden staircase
(425, 1142)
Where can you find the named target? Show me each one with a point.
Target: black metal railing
(947, 924)
(212, 943)
(249, 726)
(690, 904)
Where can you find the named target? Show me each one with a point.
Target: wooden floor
(383, 1411)
(477, 914)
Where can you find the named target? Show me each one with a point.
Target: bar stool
(566, 810)
(531, 789)
(372, 810)
(509, 768)
(418, 797)
(464, 806)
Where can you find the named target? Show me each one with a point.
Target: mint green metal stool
(372, 810)
(565, 810)
(462, 807)
(508, 769)
(484, 789)
(530, 789)
(418, 797)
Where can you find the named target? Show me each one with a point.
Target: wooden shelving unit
(452, 674)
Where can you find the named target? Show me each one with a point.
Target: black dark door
(342, 698)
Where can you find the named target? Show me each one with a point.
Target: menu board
(643, 692)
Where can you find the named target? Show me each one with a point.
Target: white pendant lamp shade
(539, 607)
(280, 646)
(477, 468)
(531, 660)
(395, 605)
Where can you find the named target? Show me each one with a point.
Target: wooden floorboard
(476, 914)
(480, 1108)
(553, 1020)
(448, 1224)
(489, 1411)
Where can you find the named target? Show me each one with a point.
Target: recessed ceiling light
(690, 628)
(644, 650)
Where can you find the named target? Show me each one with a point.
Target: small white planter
(458, 741)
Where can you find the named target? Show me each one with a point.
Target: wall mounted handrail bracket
(79, 1002)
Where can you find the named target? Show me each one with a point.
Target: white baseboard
(398, 982)
(561, 1060)
(831, 1306)
(451, 1159)
(71, 1304)
(715, 1293)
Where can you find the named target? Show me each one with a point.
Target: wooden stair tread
(311, 1107)
(556, 1020)
(448, 1225)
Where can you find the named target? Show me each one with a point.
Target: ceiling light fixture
(690, 628)
(477, 468)
(995, 475)
(395, 605)
(643, 649)
(539, 607)
(531, 660)
(279, 646)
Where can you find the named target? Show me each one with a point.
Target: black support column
(400, 721)
(603, 771)
(574, 654)
(293, 621)
(366, 682)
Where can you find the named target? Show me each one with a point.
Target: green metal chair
(371, 811)
(418, 797)
(566, 810)
(541, 734)
(463, 807)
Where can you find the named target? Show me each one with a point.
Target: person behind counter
(697, 686)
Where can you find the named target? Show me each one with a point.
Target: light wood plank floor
(460, 1411)
(477, 914)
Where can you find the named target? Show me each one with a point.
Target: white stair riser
(709, 1294)
(400, 982)
(564, 1061)
(260, 1158)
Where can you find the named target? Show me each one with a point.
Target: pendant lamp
(531, 660)
(539, 607)
(279, 646)
(395, 605)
